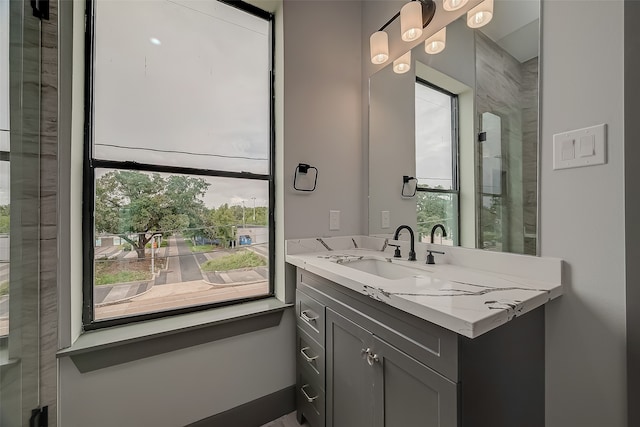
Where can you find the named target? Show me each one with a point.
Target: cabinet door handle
(306, 318)
(365, 352)
(309, 359)
(309, 398)
(372, 358)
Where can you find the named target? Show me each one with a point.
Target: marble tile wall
(530, 153)
(508, 89)
(49, 213)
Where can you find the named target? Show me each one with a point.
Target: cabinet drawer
(310, 316)
(311, 355)
(310, 400)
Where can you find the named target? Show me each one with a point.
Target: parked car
(244, 239)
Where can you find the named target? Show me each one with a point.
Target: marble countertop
(466, 300)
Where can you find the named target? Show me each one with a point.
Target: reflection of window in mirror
(436, 161)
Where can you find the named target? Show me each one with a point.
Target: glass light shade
(411, 21)
(450, 5)
(379, 44)
(402, 64)
(436, 43)
(480, 15)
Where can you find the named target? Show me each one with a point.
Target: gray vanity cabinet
(362, 363)
(350, 379)
(371, 383)
(408, 393)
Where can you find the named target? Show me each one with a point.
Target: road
(189, 269)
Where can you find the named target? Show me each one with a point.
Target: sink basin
(383, 268)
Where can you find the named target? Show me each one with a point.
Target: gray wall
(582, 215)
(182, 386)
(322, 114)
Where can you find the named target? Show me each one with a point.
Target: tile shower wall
(49, 213)
(507, 88)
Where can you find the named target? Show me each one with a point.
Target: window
(437, 188)
(179, 170)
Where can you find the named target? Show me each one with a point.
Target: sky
(433, 137)
(184, 83)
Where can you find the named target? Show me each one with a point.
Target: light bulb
(436, 43)
(451, 5)
(480, 15)
(402, 64)
(379, 44)
(411, 21)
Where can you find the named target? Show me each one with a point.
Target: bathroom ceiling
(515, 27)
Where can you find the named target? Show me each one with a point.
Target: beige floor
(288, 420)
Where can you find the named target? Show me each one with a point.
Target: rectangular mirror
(454, 140)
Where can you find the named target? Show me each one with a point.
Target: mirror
(460, 130)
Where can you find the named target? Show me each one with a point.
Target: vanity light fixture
(411, 21)
(379, 43)
(451, 5)
(436, 43)
(480, 15)
(402, 64)
(414, 16)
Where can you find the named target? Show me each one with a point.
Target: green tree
(432, 209)
(219, 223)
(4, 219)
(142, 204)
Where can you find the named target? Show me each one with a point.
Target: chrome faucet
(433, 231)
(412, 252)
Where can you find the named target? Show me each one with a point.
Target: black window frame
(455, 150)
(90, 164)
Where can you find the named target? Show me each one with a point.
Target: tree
(4, 219)
(143, 204)
(433, 208)
(220, 223)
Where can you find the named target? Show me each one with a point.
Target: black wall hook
(303, 169)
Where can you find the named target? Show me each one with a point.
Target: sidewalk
(172, 288)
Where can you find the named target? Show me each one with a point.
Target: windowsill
(120, 344)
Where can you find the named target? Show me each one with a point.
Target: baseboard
(254, 413)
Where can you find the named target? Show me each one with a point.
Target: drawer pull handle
(309, 359)
(309, 398)
(307, 318)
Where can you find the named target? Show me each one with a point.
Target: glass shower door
(19, 212)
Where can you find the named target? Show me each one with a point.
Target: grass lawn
(108, 272)
(4, 288)
(241, 259)
(204, 248)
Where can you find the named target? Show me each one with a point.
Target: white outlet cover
(334, 220)
(386, 219)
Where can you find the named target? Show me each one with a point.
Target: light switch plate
(334, 220)
(581, 147)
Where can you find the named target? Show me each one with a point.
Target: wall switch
(386, 219)
(334, 220)
(581, 147)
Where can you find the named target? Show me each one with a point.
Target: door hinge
(39, 417)
(40, 9)
(482, 136)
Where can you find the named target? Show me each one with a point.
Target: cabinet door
(349, 391)
(409, 393)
